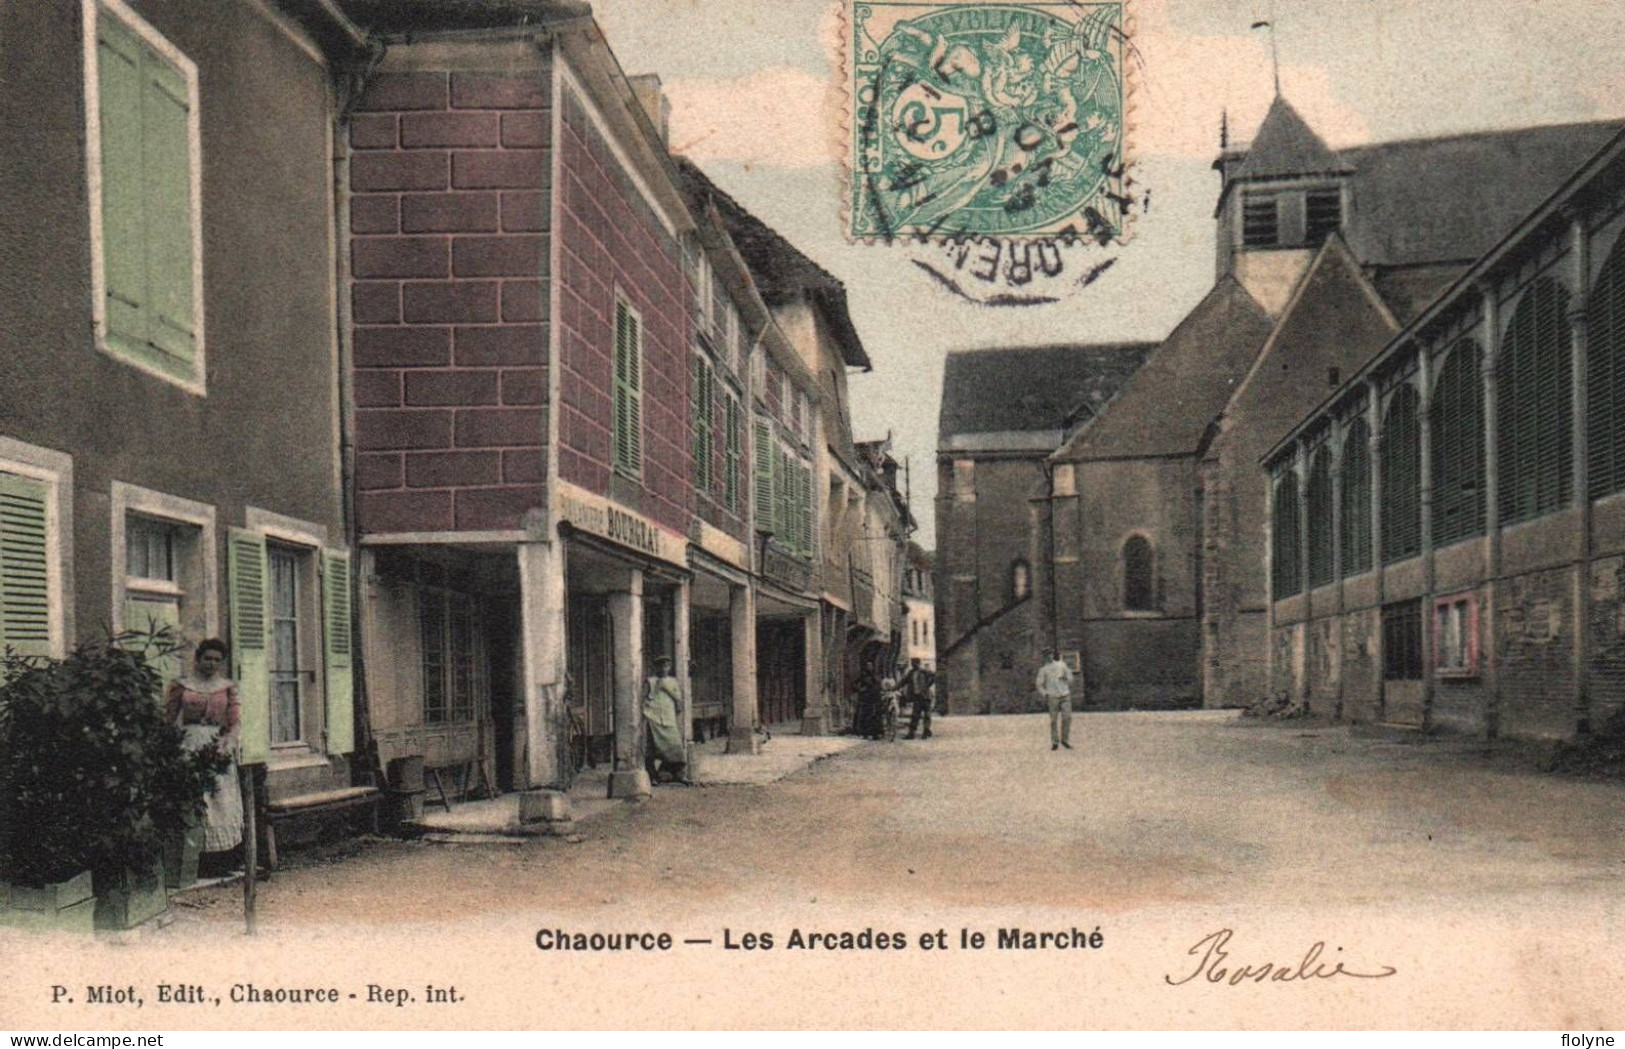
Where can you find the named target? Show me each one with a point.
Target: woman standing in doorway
(204, 704)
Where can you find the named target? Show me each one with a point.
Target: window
(142, 132)
(1355, 526)
(1286, 575)
(1138, 580)
(291, 644)
(720, 308)
(1458, 447)
(701, 419)
(964, 478)
(1535, 422)
(153, 590)
(628, 450)
(287, 626)
(1260, 221)
(1401, 447)
(446, 641)
(1318, 498)
(26, 619)
(1402, 641)
(1021, 585)
(1322, 214)
(1605, 379)
(1455, 636)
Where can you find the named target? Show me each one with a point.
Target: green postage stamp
(1000, 119)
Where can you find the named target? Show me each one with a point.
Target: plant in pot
(93, 779)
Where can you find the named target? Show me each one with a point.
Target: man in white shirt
(1055, 685)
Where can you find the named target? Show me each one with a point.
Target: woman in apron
(662, 714)
(204, 704)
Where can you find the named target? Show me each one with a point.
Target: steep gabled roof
(779, 268)
(1165, 407)
(1032, 388)
(1452, 198)
(1286, 146)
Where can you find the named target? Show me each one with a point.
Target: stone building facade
(1447, 542)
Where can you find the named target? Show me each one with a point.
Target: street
(1476, 878)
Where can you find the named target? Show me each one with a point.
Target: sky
(754, 91)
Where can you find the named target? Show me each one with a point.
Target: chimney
(652, 98)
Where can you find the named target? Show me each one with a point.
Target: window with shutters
(1458, 447)
(628, 395)
(1286, 575)
(1605, 378)
(1402, 641)
(1401, 449)
(734, 436)
(701, 419)
(762, 485)
(145, 210)
(1534, 426)
(1318, 508)
(1139, 575)
(1260, 220)
(1455, 636)
(1355, 526)
(294, 650)
(1322, 214)
(28, 573)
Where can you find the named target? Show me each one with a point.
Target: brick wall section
(449, 253)
(612, 242)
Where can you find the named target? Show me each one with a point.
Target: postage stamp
(1003, 120)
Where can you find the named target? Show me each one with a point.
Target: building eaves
(406, 18)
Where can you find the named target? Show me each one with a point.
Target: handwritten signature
(1214, 965)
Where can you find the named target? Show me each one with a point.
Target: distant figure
(870, 711)
(919, 687)
(665, 726)
(1055, 685)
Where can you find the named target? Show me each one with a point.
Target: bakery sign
(598, 516)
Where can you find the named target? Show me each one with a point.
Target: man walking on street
(1055, 685)
(917, 687)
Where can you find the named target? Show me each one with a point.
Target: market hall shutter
(1605, 379)
(339, 637)
(1286, 575)
(1401, 449)
(248, 570)
(1319, 500)
(1356, 523)
(1458, 447)
(1536, 418)
(25, 573)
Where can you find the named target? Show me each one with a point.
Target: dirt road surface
(1490, 889)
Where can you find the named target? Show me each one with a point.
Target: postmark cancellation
(988, 119)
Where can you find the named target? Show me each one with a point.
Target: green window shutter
(167, 186)
(696, 418)
(1605, 379)
(628, 452)
(149, 615)
(762, 480)
(119, 81)
(735, 454)
(806, 511)
(25, 570)
(783, 524)
(249, 647)
(340, 639)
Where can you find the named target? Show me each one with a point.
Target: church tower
(1279, 200)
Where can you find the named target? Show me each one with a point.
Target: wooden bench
(284, 809)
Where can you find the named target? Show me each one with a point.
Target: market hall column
(537, 725)
(815, 716)
(742, 630)
(629, 779)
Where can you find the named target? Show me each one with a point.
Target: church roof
(1286, 146)
(1165, 407)
(1032, 388)
(1452, 198)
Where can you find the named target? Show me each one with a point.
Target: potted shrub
(93, 778)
